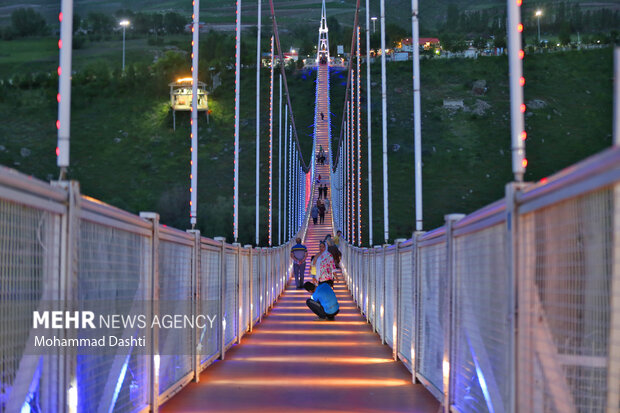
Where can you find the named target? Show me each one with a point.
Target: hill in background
(125, 152)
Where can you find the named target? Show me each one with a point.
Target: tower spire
(323, 47)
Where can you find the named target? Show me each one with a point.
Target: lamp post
(374, 28)
(538, 14)
(124, 24)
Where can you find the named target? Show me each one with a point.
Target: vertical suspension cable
(295, 189)
(193, 189)
(368, 123)
(517, 81)
(359, 146)
(386, 232)
(348, 170)
(280, 167)
(63, 123)
(258, 67)
(270, 226)
(284, 208)
(237, 90)
(290, 184)
(352, 135)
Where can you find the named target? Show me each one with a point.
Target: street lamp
(124, 24)
(374, 29)
(538, 14)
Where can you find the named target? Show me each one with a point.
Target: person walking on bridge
(299, 252)
(321, 207)
(314, 213)
(325, 265)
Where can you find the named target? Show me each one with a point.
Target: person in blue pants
(323, 301)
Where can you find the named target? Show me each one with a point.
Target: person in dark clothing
(323, 301)
(322, 116)
(314, 213)
(325, 191)
(321, 207)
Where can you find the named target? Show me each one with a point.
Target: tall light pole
(538, 14)
(374, 27)
(124, 24)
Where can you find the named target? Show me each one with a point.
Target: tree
(500, 42)
(452, 21)
(564, 35)
(27, 22)
(100, 23)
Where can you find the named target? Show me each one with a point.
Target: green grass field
(125, 152)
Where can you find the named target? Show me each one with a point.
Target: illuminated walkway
(291, 363)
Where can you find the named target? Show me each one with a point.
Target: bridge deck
(290, 362)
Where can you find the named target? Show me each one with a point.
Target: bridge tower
(323, 48)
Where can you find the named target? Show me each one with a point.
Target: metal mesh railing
(405, 311)
(29, 273)
(482, 321)
(175, 290)
(390, 297)
(210, 299)
(112, 280)
(71, 252)
(565, 325)
(432, 307)
(515, 307)
(230, 303)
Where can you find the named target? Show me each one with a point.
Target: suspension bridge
(512, 308)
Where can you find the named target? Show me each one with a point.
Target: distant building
(428, 43)
(292, 56)
(471, 53)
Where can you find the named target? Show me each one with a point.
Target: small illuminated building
(181, 97)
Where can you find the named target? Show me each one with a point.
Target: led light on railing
(156, 364)
(72, 396)
(446, 369)
(381, 310)
(224, 323)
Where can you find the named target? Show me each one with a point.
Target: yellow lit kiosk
(181, 97)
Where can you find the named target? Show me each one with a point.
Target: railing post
(383, 292)
(396, 298)
(250, 289)
(260, 283)
(512, 239)
(222, 331)
(375, 307)
(613, 358)
(449, 321)
(238, 310)
(69, 244)
(415, 318)
(195, 283)
(153, 333)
